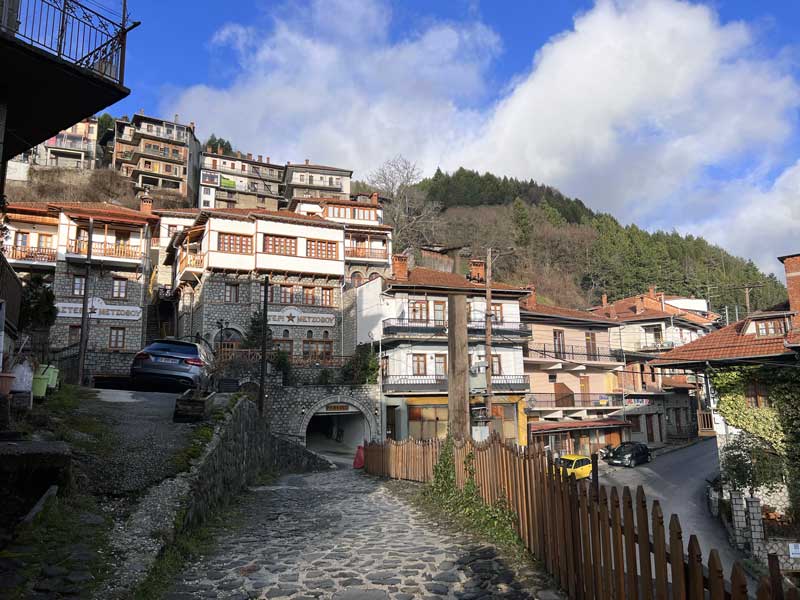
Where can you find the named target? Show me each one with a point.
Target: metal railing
(566, 400)
(654, 344)
(574, 353)
(69, 143)
(514, 383)
(163, 153)
(162, 132)
(415, 383)
(499, 327)
(249, 172)
(192, 261)
(10, 293)
(70, 31)
(30, 253)
(105, 249)
(358, 252)
(426, 326)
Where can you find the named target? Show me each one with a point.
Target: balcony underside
(29, 79)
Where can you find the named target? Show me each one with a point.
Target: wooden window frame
(327, 296)
(411, 312)
(75, 279)
(322, 249)
(436, 358)
(439, 304)
(231, 290)
(123, 287)
(496, 310)
(419, 360)
(280, 245)
(113, 338)
(234, 243)
(756, 394)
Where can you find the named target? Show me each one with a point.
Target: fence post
(739, 518)
(756, 528)
(595, 476)
(775, 577)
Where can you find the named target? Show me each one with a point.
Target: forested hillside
(571, 253)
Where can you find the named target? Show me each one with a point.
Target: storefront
(578, 437)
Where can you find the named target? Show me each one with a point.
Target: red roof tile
(570, 313)
(422, 277)
(650, 308)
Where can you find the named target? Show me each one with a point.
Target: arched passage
(337, 425)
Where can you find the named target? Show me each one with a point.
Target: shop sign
(338, 408)
(293, 316)
(98, 309)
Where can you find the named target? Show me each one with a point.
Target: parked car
(629, 454)
(580, 466)
(186, 364)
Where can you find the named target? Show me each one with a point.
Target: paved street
(343, 535)
(678, 481)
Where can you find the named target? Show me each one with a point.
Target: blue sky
(671, 114)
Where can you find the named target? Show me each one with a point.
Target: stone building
(239, 181)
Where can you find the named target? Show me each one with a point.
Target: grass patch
(70, 532)
(198, 440)
(266, 477)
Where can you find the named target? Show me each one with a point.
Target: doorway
(650, 436)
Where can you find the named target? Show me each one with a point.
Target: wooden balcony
(30, 254)
(705, 423)
(191, 261)
(368, 253)
(539, 400)
(105, 249)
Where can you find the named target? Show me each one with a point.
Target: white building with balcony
(239, 181)
(307, 180)
(404, 318)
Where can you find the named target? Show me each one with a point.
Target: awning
(557, 426)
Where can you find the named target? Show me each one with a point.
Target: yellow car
(575, 464)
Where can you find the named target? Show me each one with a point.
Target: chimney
(791, 264)
(268, 160)
(260, 157)
(238, 154)
(374, 198)
(400, 267)
(146, 203)
(209, 149)
(176, 118)
(477, 270)
(219, 149)
(141, 111)
(306, 161)
(249, 156)
(652, 291)
(663, 301)
(639, 305)
(529, 302)
(605, 299)
(191, 126)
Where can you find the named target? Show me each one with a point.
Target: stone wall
(291, 407)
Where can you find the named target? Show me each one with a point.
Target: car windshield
(173, 348)
(565, 462)
(624, 449)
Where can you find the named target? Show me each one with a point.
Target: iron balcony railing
(168, 133)
(654, 344)
(69, 143)
(422, 326)
(30, 253)
(249, 172)
(573, 353)
(360, 252)
(163, 153)
(415, 383)
(511, 383)
(538, 400)
(499, 328)
(69, 30)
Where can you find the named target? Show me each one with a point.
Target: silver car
(171, 361)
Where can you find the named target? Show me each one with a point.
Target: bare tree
(415, 220)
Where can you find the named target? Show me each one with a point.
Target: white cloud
(636, 109)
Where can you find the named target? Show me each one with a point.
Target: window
(21, 239)
(279, 244)
(45, 240)
(78, 285)
(496, 365)
(642, 377)
(504, 421)
(286, 294)
(171, 229)
(418, 364)
(326, 334)
(74, 336)
(755, 395)
(231, 293)
(310, 180)
(497, 313)
(284, 345)
(330, 181)
(439, 312)
(116, 338)
(591, 345)
(440, 365)
(552, 378)
(322, 249)
(309, 334)
(653, 374)
(773, 327)
(235, 244)
(356, 279)
(119, 288)
(384, 366)
(302, 178)
(285, 333)
(317, 349)
(427, 422)
(418, 310)
(148, 164)
(327, 297)
(559, 348)
(206, 191)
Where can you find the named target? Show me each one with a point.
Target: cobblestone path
(346, 536)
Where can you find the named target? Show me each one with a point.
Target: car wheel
(649, 457)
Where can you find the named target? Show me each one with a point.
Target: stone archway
(366, 409)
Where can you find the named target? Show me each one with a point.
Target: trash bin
(39, 387)
(51, 373)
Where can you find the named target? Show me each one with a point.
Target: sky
(667, 114)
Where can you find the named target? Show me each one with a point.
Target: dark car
(185, 364)
(629, 454)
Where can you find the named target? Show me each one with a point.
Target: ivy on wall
(778, 425)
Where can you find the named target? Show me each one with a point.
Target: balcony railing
(191, 261)
(415, 383)
(249, 172)
(573, 353)
(110, 250)
(253, 355)
(76, 34)
(512, 383)
(163, 153)
(498, 327)
(46, 255)
(163, 132)
(69, 143)
(538, 400)
(422, 326)
(357, 252)
(62, 162)
(654, 345)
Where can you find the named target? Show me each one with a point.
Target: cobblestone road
(346, 536)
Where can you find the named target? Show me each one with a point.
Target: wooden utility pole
(458, 369)
(262, 388)
(84, 341)
(488, 342)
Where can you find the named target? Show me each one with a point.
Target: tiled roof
(542, 426)
(277, 214)
(98, 209)
(726, 344)
(652, 309)
(422, 277)
(570, 313)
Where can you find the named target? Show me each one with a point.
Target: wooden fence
(596, 542)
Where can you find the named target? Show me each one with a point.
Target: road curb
(667, 449)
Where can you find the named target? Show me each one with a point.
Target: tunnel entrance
(337, 433)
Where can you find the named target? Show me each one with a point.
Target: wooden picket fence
(595, 542)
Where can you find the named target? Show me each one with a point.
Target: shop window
(427, 422)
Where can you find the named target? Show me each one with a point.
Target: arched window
(269, 332)
(357, 278)
(326, 334)
(285, 334)
(309, 334)
(373, 276)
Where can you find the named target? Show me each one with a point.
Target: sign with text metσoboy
(98, 309)
(292, 316)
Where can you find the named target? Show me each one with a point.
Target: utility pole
(458, 369)
(264, 346)
(488, 341)
(84, 341)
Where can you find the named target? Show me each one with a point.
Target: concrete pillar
(713, 501)
(739, 517)
(757, 538)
